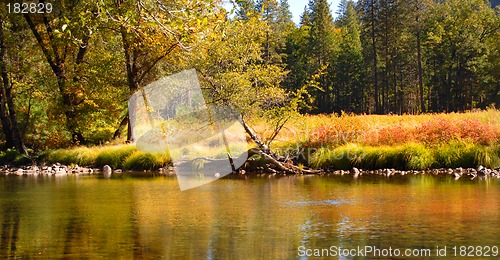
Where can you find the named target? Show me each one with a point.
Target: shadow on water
(11, 212)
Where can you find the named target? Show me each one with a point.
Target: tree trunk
(119, 130)
(57, 62)
(132, 75)
(7, 109)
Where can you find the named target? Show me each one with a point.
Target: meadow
(414, 142)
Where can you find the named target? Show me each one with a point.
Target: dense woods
(67, 74)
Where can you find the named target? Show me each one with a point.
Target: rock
(118, 171)
(107, 169)
(355, 172)
(60, 171)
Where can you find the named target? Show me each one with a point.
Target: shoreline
(64, 170)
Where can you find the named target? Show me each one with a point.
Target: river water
(245, 218)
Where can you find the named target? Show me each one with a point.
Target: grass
(392, 141)
(145, 161)
(114, 156)
(411, 156)
(341, 142)
(117, 156)
(481, 127)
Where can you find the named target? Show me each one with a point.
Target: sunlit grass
(392, 141)
(378, 130)
(114, 156)
(342, 142)
(411, 156)
(145, 161)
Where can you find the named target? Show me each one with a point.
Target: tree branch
(39, 39)
(148, 69)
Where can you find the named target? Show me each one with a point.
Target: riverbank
(64, 170)
(331, 143)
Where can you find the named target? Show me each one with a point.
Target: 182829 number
(29, 8)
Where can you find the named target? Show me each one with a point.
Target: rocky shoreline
(59, 169)
(457, 173)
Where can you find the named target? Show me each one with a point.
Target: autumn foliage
(428, 130)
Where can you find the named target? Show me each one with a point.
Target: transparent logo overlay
(171, 116)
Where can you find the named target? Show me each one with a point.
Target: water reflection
(123, 217)
(10, 222)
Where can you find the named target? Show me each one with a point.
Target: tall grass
(79, 155)
(117, 156)
(145, 161)
(405, 142)
(345, 141)
(114, 156)
(411, 156)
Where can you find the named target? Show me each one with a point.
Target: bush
(8, 156)
(13, 157)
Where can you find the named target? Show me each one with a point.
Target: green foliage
(64, 77)
(241, 78)
(13, 157)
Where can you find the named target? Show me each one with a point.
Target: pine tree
(284, 18)
(279, 18)
(368, 10)
(305, 18)
(349, 63)
(322, 45)
(245, 9)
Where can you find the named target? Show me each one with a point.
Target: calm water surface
(253, 218)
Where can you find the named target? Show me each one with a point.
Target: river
(245, 218)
